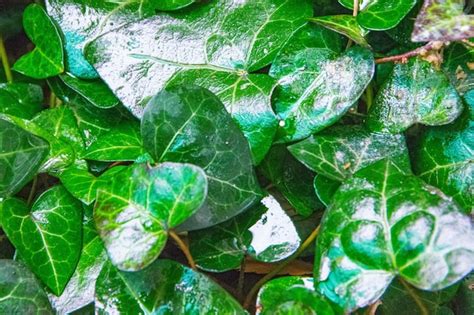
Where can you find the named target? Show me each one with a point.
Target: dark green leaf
(383, 222)
(20, 99)
(47, 59)
(464, 300)
(345, 25)
(47, 237)
(190, 125)
(325, 188)
(459, 67)
(10, 19)
(20, 292)
(339, 152)
(415, 92)
(170, 5)
(165, 287)
(135, 210)
(21, 156)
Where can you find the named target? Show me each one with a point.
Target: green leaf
(325, 188)
(21, 155)
(292, 179)
(345, 25)
(380, 15)
(190, 125)
(135, 210)
(265, 232)
(47, 237)
(165, 287)
(20, 99)
(291, 295)
(20, 292)
(443, 21)
(384, 222)
(317, 88)
(459, 68)
(464, 300)
(340, 151)
(414, 93)
(444, 158)
(170, 5)
(47, 59)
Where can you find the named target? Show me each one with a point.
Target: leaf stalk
(5, 63)
(184, 248)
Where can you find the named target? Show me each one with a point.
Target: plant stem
(32, 190)
(240, 284)
(416, 298)
(52, 100)
(369, 96)
(184, 248)
(5, 63)
(280, 267)
(355, 11)
(413, 53)
(372, 309)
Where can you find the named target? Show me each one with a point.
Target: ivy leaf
(346, 25)
(47, 59)
(325, 188)
(47, 237)
(382, 223)
(171, 5)
(459, 68)
(415, 92)
(265, 232)
(21, 155)
(380, 15)
(20, 99)
(443, 20)
(465, 296)
(191, 125)
(340, 151)
(291, 295)
(443, 158)
(317, 88)
(21, 293)
(138, 206)
(164, 287)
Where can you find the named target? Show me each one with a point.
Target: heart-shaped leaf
(383, 222)
(20, 99)
(47, 59)
(317, 87)
(346, 25)
(21, 156)
(135, 210)
(190, 125)
(164, 287)
(415, 92)
(20, 292)
(47, 237)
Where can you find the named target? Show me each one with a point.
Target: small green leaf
(191, 125)
(47, 237)
(165, 287)
(20, 291)
(47, 59)
(344, 24)
(325, 188)
(340, 151)
(383, 222)
(414, 93)
(20, 99)
(135, 210)
(21, 156)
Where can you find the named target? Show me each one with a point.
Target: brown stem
(240, 285)
(413, 53)
(184, 248)
(372, 309)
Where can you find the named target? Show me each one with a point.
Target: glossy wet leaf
(164, 287)
(380, 15)
(443, 20)
(47, 59)
(340, 151)
(384, 222)
(20, 99)
(344, 24)
(47, 237)
(325, 188)
(415, 92)
(20, 291)
(317, 88)
(265, 232)
(135, 210)
(191, 125)
(21, 156)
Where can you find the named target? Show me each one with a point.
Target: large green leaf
(317, 87)
(21, 156)
(165, 287)
(47, 237)
(190, 125)
(443, 20)
(382, 223)
(415, 92)
(47, 59)
(340, 151)
(20, 99)
(135, 210)
(444, 158)
(380, 15)
(20, 291)
(346, 25)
